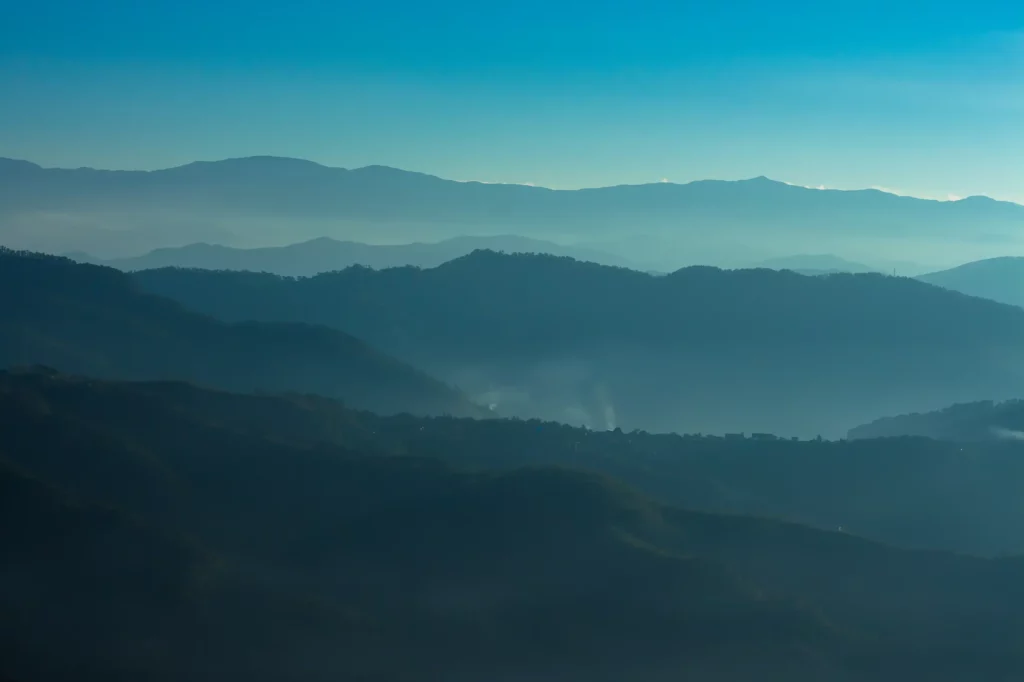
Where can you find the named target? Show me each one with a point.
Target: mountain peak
(380, 171)
(978, 199)
(17, 165)
(255, 163)
(267, 160)
(761, 180)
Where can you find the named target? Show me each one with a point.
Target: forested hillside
(95, 320)
(242, 549)
(701, 349)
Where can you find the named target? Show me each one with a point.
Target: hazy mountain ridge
(816, 264)
(265, 200)
(985, 420)
(330, 559)
(700, 349)
(326, 255)
(95, 320)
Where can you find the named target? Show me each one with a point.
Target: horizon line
(950, 198)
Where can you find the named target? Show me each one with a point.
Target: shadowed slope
(94, 320)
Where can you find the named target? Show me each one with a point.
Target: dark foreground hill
(911, 492)
(146, 537)
(95, 320)
(908, 492)
(967, 422)
(701, 349)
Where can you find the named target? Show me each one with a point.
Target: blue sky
(922, 98)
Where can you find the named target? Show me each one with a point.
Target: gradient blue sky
(926, 98)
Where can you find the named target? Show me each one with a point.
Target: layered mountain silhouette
(262, 201)
(148, 538)
(325, 255)
(999, 279)
(95, 320)
(700, 349)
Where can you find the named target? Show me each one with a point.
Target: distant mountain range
(700, 349)
(262, 201)
(95, 320)
(998, 279)
(325, 254)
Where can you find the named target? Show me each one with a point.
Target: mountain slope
(94, 320)
(265, 200)
(910, 492)
(329, 560)
(73, 567)
(698, 350)
(907, 492)
(998, 279)
(325, 255)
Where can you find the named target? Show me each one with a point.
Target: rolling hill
(234, 554)
(95, 320)
(699, 350)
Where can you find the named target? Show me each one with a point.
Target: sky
(920, 98)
